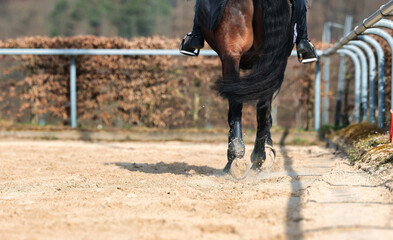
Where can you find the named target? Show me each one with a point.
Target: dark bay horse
(257, 35)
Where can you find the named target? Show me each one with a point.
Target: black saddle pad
(209, 13)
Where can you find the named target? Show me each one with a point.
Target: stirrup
(193, 53)
(308, 60)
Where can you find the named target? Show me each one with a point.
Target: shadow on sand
(177, 168)
(294, 207)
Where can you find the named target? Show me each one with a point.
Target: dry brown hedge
(126, 91)
(159, 91)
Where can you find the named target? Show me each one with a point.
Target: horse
(256, 35)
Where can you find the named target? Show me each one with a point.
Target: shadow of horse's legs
(294, 206)
(177, 168)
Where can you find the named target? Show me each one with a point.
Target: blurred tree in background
(60, 12)
(127, 18)
(138, 17)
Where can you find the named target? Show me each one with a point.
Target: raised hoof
(239, 168)
(236, 149)
(265, 160)
(270, 161)
(236, 165)
(257, 160)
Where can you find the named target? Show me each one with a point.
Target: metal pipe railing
(356, 62)
(381, 81)
(369, 26)
(372, 75)
(77, 52)
(384, 11)
(121, 52)
(384, 23)
(381, 87)
(364, 79)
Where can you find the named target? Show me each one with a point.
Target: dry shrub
(159, 91)
(121, 91)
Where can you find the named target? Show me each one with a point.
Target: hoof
(270, 158)
(240, 168)
(236, 149)
(257, 160)
(265, 160)
(236, 165)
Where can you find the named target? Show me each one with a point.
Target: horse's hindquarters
(234, 34)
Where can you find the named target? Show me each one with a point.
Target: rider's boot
(305, 50)
(194, 42)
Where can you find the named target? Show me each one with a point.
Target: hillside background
(134, 18)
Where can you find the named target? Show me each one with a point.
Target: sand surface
(176, 190)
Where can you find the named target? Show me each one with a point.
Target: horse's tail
(268, 74)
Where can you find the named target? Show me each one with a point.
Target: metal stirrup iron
(195, 52)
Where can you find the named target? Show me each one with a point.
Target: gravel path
(176, 190)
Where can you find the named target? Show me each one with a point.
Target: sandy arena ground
(176, 190)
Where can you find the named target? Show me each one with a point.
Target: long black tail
(268, 74)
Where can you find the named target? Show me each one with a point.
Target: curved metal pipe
(385, 10)
(356, 61)
(384, 23)
(364, 79)
(381, 79)
(372, 75)
(389, 39)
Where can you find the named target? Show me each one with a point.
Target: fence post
(326, 84)
(317, 101)
(73, 91)
(326, 37)
(340, 91)
(341, 76)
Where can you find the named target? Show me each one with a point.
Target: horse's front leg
(236, 147)
(263, 138)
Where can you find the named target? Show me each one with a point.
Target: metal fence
(357, 45)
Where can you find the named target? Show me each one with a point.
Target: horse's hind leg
(236, 147)
(232, 38)
(263, 137)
